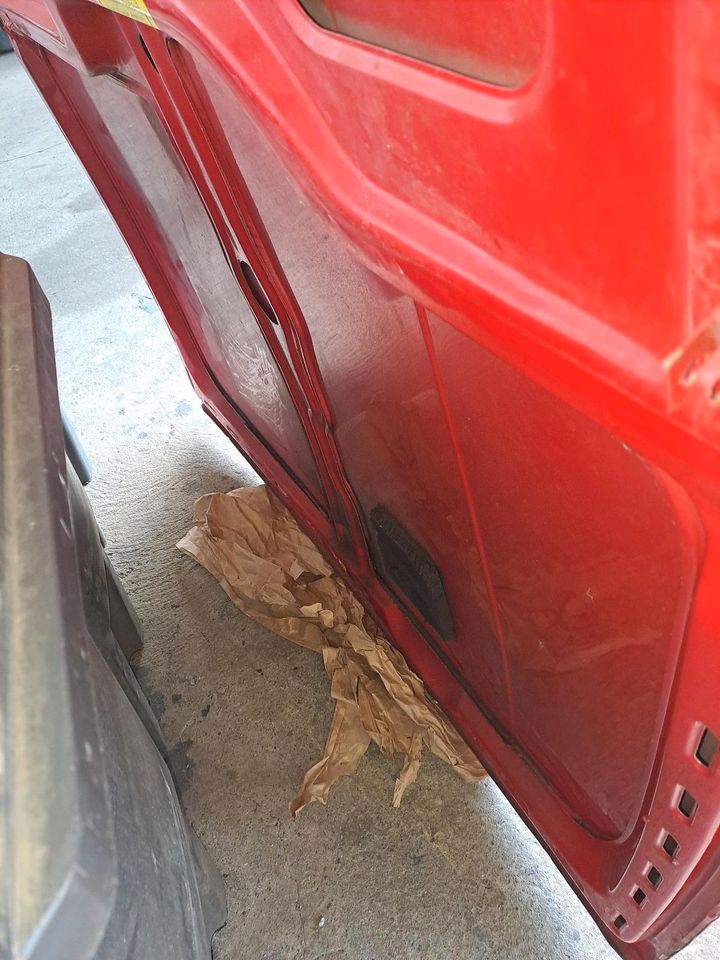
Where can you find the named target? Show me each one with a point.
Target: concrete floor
(453, 873)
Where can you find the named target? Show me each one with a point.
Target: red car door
(448, 273)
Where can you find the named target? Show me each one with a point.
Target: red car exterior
(448, 275)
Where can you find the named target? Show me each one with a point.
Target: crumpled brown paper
(270, 569)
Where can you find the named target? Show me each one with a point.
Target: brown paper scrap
(270, 569)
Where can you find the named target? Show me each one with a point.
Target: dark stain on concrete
(155, 697)
(181, 764)
(87, 200)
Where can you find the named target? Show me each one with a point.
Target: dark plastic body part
(98, 860)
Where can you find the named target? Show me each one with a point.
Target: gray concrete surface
(453, 873)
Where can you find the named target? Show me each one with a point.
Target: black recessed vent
(707, 748)
(687, 804)
(670, 846)
(406, 564)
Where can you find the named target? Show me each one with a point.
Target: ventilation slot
(687, 805)
(707, 749)
(639, 896)
(619, 922)
(654, 877)
(670, 846)
(408, 565)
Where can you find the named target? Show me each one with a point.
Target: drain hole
(687, 805)
(257, 291)
(670, 846)
(654, 876)
(707, 749)
(619, 922)
(639, 896)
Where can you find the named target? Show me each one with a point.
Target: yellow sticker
(130, 8)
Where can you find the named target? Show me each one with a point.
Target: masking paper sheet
(274, 573)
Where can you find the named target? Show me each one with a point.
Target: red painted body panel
(489, 310)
